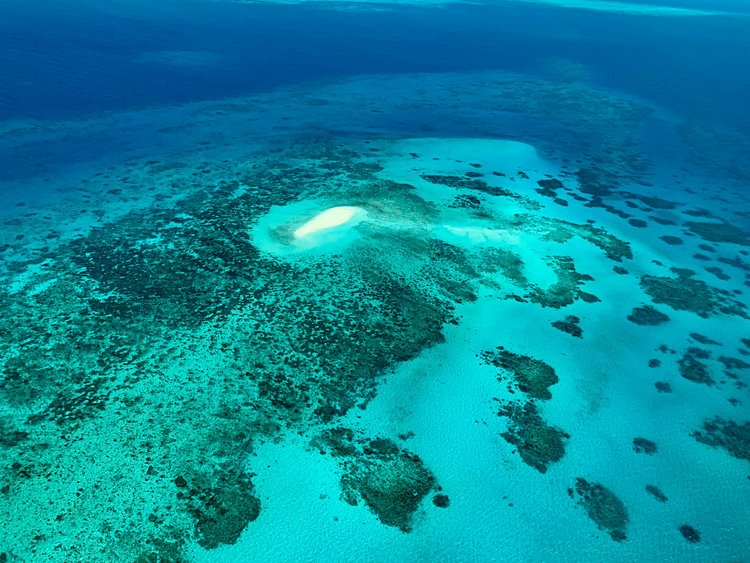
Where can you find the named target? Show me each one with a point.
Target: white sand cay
(308, 227)
(330, 219)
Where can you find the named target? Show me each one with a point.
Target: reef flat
(450, 350)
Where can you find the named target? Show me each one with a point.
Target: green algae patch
(391, 481)
(538, 443)
(603, 507)
(531, 376)
(686, 293)
(731, 436)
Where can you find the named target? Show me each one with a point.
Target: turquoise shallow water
(374, 282)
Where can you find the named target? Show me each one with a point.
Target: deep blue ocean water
(69, 60)
(63, 60)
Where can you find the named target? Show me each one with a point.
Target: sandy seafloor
(175, 369)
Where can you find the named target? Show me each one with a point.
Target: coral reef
(390, 480)
(566, 290)
(473, 184)
(657, 493)
(719, 232)
(647, 315)
(531, 376)
(441, 501)
(690, 534)
(571, 326)
(538, 443)
(644, 446)
(603, 507)
(165, 341)
(693, 369)
(686, 293)
(726, 434)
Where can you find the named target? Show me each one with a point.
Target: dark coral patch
(390, 480)
(705, 340)
(686, 293)
(466, 201)
(566, 289)
(719, 232)
(533, 377)
(549, 187)
(644, 446)
(671, 240)
(571, 326)
(693, 369)
(538, 443)
(690, 534)
(10, 435)
(718, 272)
(507, 262)
(733, 363)
(481, 186)
(441, 501)
(726, 434)
(657, 493)
(603, 507)
(647, 316)
(222, 506)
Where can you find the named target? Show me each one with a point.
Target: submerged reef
(170, 338)
(222, 508)
(476, 185)
(644, 446)
(686, 293)
(571, 326)
(693, 369)
(166, 340)
(647, 316)
(566, 290)
(603, 507)
(390, 480)
(726, 434)
(558, 230)
(657, 493)
(508, 263)
(531, 376)
(719, 232)
(538, 443)
(690, 534)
